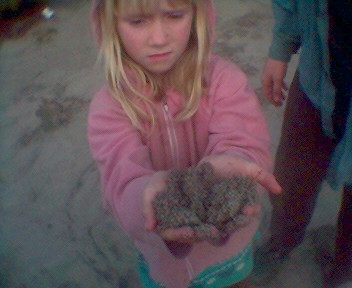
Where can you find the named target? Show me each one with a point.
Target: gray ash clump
(194, 197)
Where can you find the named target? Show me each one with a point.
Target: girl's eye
(136, 21)
(175, 15)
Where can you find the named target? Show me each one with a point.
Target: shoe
(333, 275)
(267, 263)
(337, 277)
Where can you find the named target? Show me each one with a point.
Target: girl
(169, 103)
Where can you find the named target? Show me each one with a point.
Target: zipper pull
(166, 108)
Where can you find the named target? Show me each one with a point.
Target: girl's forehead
(146, 6)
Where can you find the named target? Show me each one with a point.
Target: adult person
(316, 139)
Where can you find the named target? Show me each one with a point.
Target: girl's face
(156, 39)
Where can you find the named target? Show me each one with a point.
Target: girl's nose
(158, 34)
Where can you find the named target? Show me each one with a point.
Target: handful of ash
(196, 198)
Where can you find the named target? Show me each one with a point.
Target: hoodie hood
(97, 29)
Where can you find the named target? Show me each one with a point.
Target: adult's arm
(286, 41)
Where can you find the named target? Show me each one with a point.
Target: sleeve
(237, 125)
(286, 35)
(123, 161)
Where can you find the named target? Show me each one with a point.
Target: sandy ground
(54, 231)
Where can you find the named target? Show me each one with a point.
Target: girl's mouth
(159, 56)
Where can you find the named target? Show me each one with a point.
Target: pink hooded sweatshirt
(228, 120)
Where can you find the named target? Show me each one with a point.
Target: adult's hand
(273, 84)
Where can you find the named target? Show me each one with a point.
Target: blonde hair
(187, 77)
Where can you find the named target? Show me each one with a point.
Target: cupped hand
(226, 165)
(157, 184)
(189, 235)
(273, 84)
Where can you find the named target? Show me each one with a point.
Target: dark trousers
(302, 160)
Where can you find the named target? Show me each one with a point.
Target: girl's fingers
(182, 235)
(148, 214)
(267, 180)
(189, 235)
(252, 210)
(260, 175)
(156, 184)
(227, 165)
